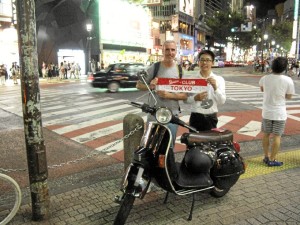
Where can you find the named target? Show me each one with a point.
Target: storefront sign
(182, 85)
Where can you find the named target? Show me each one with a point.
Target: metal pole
(35, 147)
(262, 55)
(90, 54)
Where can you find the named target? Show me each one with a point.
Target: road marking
(100, 133)
(222, 120)
(252, 129)
(63, 120)
(88, 123)
(72, 110)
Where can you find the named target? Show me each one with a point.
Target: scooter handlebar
(178, 121)
(148, 109)
(145, 107)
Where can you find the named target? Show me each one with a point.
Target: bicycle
(10, 198)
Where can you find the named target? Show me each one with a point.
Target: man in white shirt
(277, 87)
(204, 118)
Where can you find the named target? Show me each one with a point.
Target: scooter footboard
(166, 171)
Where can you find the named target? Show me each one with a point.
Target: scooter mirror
(142, 74)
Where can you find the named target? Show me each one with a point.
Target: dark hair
(279, 64)
(208, 52)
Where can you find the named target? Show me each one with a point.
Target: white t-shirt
(218, 96)
(275, 87)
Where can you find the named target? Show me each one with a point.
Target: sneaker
(275, 163)
(266, 160)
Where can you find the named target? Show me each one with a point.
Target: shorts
(273, 126)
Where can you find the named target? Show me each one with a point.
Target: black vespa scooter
(211, 162)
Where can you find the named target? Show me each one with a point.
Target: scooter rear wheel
(124, 210)
(218, 193)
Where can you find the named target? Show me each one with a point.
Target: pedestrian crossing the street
(98, 122)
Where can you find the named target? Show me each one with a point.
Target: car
(229, 64)
(116, 76)
(218, 63)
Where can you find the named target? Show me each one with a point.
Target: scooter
(211, 162)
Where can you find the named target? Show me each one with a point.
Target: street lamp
(265, 37)
(272, 48)
(89, 28)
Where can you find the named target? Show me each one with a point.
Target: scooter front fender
(135, 181)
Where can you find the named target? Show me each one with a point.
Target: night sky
(262, 6)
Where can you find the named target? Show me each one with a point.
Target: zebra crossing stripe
(222, 120)
(48, 107)
(100, 133)
(294, 117)
(69, 118)
(110, 117)
(72, 110)
(252, 129)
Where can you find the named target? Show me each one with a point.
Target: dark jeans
(203, 122)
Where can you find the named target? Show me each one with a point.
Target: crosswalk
(98, 122)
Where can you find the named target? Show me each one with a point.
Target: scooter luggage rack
(190, 191)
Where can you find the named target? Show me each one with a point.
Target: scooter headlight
(163, 115)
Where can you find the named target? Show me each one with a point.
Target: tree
(281, 33)
(226, 27)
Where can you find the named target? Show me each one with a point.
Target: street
(93, 117)
(81, 122)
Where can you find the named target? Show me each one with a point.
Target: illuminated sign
(122, 23)
(187, 7)
(152, 2)
(175, 23)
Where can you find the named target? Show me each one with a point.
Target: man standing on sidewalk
(276, 87)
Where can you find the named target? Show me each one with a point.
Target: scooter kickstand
(192, 208)
(166, 197)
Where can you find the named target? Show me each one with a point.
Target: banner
(182, 85)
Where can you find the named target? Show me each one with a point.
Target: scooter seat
(185, 179)
(212, 136)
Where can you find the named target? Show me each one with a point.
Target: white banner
(182, 85)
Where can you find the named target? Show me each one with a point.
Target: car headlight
(163, 115)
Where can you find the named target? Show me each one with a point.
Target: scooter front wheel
(125, 208)
(218, 193)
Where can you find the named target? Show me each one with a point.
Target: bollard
(130, 122)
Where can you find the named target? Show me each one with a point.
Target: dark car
(115, 76)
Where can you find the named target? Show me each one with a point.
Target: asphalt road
(75, 186)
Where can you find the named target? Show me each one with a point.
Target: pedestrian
(61, 71)
(168, 68)
(65, 64)
(49, 72)
(3, 74)
(77, 70)
(204, 117)
(14, 72)
(44, 70)
(276, 88)
(72, 70)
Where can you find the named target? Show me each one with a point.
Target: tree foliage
(281, 33)
(222, 24)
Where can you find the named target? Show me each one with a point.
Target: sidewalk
(263, 195)
(82, 78)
